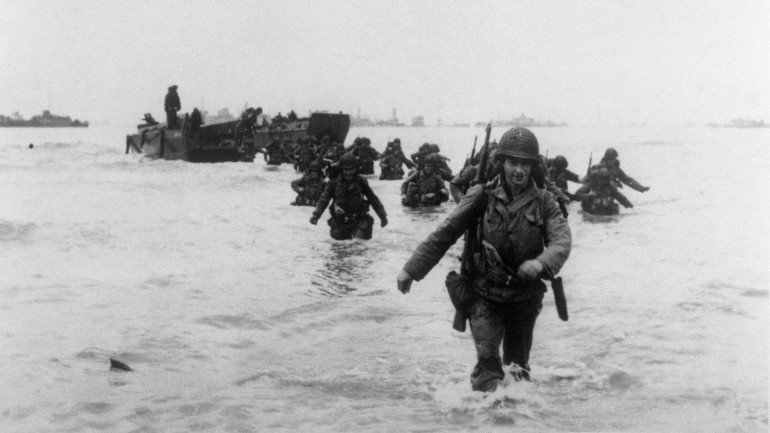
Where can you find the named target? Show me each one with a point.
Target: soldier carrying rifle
(520, 236)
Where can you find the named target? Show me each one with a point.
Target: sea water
(237, 314)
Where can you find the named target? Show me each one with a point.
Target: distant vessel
(741, 123)
(222, 116)
(524, 121)
(45, 120)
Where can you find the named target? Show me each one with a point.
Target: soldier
(366, 155)
(274, 152)
(305, 154)
(329, 150)
(612, 164)
(459, 184)
(172, 105)
(425, 187)
(392, 161)
(559, 175)
(525, 237)
(598, 195)
(310, 186)
(350, 197)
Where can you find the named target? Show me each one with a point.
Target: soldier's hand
(383, 221)
(404, 281)
(645, 188)
(530, 270)
(314, 220)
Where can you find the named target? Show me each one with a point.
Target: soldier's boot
(486, 375)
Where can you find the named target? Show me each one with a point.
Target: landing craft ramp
(238, 140)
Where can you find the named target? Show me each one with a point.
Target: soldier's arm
(441, 189)
(630, 181)
(571, 176)
(406, 161)
(617, 195)
(558, 237)
(374, 201)
(297, 184)
(430, 251)
(326, 197)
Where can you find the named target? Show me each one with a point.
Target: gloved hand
(383, 221)
(314, 220)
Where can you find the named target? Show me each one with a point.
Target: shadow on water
(344, 268)
(600, 219)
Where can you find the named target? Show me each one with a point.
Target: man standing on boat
(172, 105)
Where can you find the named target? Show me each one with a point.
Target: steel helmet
(560, 162)
(610, 154)
(519, 142)
(602, 176)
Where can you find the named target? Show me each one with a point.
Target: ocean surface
(238, 315)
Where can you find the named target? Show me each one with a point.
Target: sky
(574, 61)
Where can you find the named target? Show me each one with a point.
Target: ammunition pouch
(461, 292)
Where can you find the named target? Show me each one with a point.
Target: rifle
(473, 152)
(590, 161)
(471, 247)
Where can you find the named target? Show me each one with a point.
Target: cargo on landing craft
(237, 140)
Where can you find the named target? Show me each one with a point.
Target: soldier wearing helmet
(304, 154)
(310, 186)
(392, 162)
(366, 155)
(525, 238)
(350, 196)
(425, 187)
(559, 175)
(597, 196)
(611, 162)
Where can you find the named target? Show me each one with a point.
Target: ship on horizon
(45, 120)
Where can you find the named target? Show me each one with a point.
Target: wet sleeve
(617, 195)
(297, 184)
(326, 197)
(374, 201)
(407, 162)
(630, 181)
(430, 251)
(558, 237)
(571, 176)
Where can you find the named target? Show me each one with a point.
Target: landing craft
(238, 140)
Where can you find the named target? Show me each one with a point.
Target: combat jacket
(619, 176)
(432, 184)
(171, 103)
(351, 199)
(560, 177)
(531, 226)
(311, 190)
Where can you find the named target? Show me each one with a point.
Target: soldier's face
(349, 172)
(517, 172)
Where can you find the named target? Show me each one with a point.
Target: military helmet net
(519, 142)
(348, 160)
(560, 162)
(610, 153)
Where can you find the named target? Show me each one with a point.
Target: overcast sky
(580, 62)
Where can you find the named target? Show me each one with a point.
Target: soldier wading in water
(350, 196)
(524, 236)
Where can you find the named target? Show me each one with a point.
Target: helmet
(519, 142)
(364, 140)
(348, 160)
(397, 140)
(560, 162)
(610, 154)
(431, 160)
(434, 148)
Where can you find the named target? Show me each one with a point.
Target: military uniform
(598, 195)
(559, 175)
(366, 155)
(515, 230)
(350, 200)
(171, 105)
(423, 188)
(309, 189)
